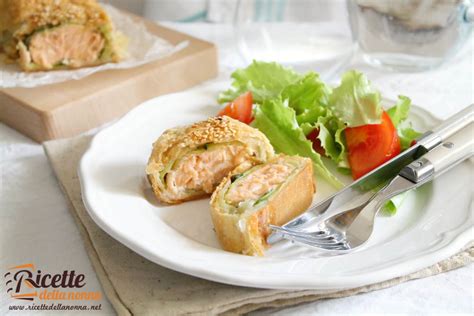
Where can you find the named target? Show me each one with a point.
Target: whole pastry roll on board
(246, 202)
(189, 162)
(58, 34)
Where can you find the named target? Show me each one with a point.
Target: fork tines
(322, 239)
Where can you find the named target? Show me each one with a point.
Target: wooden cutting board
(70, 108)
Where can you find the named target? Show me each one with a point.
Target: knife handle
(455, 122)
(455, 149)
(452, 151)
(448, 127)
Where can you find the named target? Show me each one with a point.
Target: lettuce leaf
(331, 137)
(390, 208)
(265, 80)
(407, 136)
(312, 115)
(277, 120)
(398, 114)
(355, 102)
(309, 97)
(307, 93)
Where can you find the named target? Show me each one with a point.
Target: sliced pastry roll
(247, 201)
(58, 34)
(189, 162)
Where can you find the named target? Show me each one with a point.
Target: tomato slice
(313, 137)
(371, 145)
(240, 109)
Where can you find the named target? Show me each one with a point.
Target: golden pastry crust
(20, 19)
(176, 142)
(246, 233)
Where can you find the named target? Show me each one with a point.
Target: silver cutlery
(351, 228)
(345, 220)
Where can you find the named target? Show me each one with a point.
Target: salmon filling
(258, 183)
(205, 170)
(72, 45)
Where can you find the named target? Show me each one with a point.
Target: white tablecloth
(36, 225)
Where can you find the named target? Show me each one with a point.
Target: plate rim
(404, 267)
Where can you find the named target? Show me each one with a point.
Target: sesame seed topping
(213, 129)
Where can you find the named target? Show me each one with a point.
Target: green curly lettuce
(355, 102)
(265, 81)
(398, 114)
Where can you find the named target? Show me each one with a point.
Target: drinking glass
(410, 35)
(304, 34)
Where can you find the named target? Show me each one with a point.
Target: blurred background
(304, 34)
(421, 47)
(324, 35)
(221, 11)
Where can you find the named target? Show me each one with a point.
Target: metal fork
(351, 228)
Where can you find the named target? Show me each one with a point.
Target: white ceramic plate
(433, 223)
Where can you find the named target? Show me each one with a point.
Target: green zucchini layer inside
(252, 205)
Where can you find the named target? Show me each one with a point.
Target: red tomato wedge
(371, 145)
(240, 109)
(313, 137)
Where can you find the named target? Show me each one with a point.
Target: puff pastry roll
(188, 163)
(246, 202)
(58, 34)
